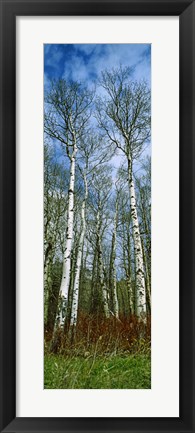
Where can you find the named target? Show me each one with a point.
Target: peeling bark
(139, 263)
(147, 281)
(65, 282)
(75, 300)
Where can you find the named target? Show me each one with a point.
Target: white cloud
(89, 60)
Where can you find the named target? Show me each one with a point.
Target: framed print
(97, 214)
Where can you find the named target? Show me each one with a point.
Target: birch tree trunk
(139, 263)
(113, 280)
(75, 299)
(101, 269)
(147, 281)
(94, 294)
(64, 287)
(129, 275)
(126, 248)
(147, 258)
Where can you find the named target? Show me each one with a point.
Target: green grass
(117, 372)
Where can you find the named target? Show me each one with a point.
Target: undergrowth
(102, 336)
(99, 354)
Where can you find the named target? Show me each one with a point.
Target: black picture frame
(185, 9)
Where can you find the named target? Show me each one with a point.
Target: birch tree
(112, 271)
(91, 156)
(124, 114)
(144, 210)
(74, 310)
(125, 242)
(100, 192)
(66, 117)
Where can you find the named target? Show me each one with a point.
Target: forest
(97, 232)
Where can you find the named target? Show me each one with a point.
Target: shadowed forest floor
(116, 372)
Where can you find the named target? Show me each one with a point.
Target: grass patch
(116, 372)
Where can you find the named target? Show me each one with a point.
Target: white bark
(139, 263)
(75, 300)
(147, 279)
(104, 293)
(65, 282)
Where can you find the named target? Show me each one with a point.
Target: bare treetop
(124, 111)
(67, 111)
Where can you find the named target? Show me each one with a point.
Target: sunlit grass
(116, 372)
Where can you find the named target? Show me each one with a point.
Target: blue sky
(84, 62)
